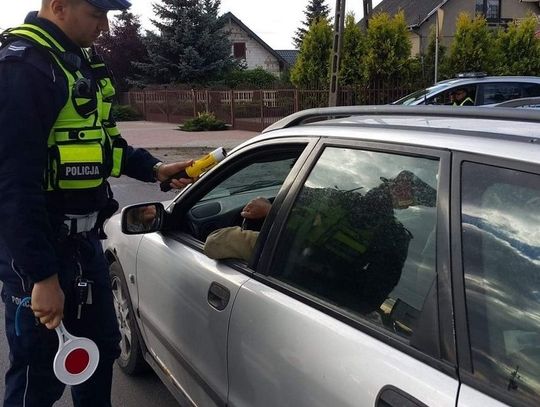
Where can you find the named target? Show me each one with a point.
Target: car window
(498, 92)
(218, 201)
(361, 236)
(501, 258)
(530, 90)
(447, 97)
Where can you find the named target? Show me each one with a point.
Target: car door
(185, 297)
(497, 281)
(350, 304)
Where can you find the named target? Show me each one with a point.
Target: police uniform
(58, 144)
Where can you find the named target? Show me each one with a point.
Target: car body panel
(181, 328)
(288, 354)
(469, 397)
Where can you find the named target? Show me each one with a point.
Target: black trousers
(30, 380)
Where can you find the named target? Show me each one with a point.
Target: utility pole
(339, 22)
(368, 8)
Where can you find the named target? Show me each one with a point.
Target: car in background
(399, 266)
(482, 89)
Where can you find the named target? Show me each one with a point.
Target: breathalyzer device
(199, 166)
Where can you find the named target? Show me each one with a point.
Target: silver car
(482, 89)
(399, 266)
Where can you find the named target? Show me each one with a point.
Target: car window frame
(444, 357)
(463, 344)
(218, 174)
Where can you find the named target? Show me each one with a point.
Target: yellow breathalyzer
(198, 167)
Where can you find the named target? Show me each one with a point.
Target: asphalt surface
(168, 144)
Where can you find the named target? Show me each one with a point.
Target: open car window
(217, 202)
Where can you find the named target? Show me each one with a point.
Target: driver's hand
(257, 208)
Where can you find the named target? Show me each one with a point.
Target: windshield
(419, 96)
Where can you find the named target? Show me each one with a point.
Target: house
(249, 47)
(421, 15)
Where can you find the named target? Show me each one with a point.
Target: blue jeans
(30, 380)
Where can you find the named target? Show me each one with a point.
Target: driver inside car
(235, 241)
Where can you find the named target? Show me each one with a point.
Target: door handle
(218, 296)
(391, 396)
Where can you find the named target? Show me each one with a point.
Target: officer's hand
(48, 301)
(166, 171)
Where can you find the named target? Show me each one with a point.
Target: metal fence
(249, 109)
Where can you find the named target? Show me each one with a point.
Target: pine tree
(190, 44)
(122, 45)
(352, 54)
(519, 49)
(316, 10)
(312, 66)
(473, 46)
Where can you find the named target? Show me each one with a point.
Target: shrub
(203, 122)
(125, 113)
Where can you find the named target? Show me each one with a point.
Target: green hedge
(203, 122)
(125, 113)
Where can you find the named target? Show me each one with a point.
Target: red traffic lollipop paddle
(77, 358)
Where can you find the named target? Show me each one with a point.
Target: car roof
(478, 79)
(499, 132)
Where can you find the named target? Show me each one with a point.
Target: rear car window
(501, 258)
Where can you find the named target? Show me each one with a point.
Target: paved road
(168, 144)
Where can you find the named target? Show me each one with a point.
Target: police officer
(460, 97)
(58, 145)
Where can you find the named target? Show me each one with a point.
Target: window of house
(491, 9)
(501, 259)
(361, 236)
(239, 50)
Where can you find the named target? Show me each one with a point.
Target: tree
(519, 49)
(190, 44)
(122, 45)
(313, 63)
(473, 46)
(316, 10)
(388, 47)
(352, 54)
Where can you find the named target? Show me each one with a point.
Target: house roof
(289, 55)
(231, 17)
(416, 11)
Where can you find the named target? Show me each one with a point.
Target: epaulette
(14, 50)
(21, 50)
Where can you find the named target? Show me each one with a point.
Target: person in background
(460, 97)
(58, 145)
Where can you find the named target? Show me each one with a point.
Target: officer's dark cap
(110, 4)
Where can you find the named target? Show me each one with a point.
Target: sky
(275, 21)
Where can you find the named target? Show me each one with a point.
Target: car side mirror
(143, 218)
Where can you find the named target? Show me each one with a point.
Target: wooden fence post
(296, 101)
(262, 109)
(194, 100)
(206, 100)
(145, 113)
(232, 108)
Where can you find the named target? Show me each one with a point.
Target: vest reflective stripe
(84, 143)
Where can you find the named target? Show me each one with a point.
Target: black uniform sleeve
(139, 163)
(29, 105)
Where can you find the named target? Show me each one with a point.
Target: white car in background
(482, 89)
